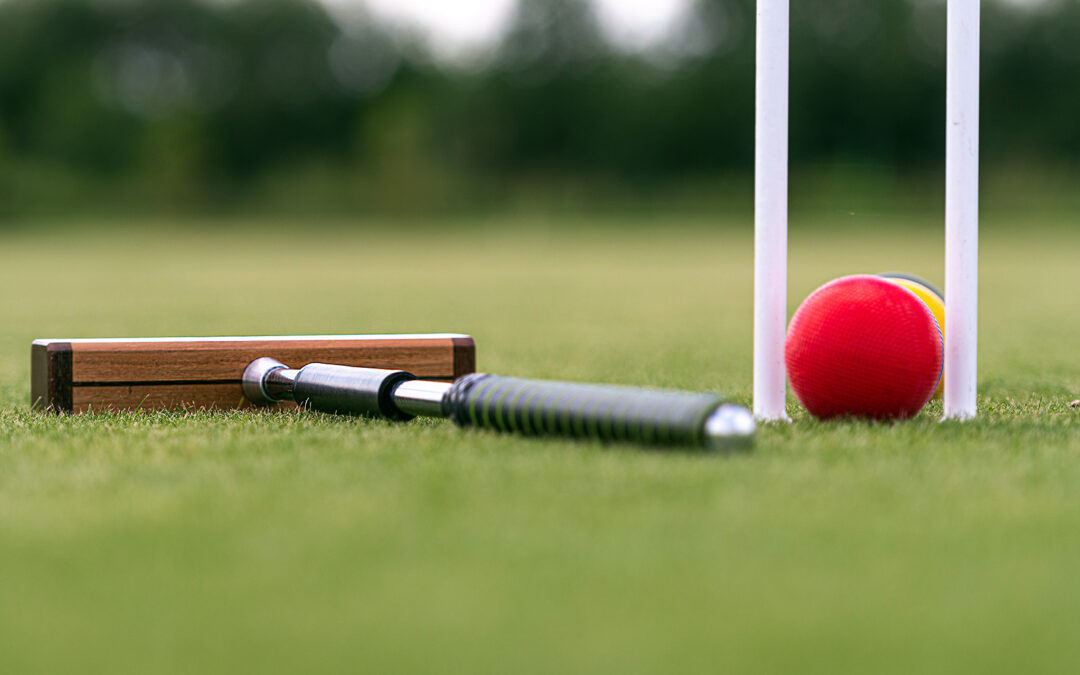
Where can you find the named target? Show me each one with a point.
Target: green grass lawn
(248, 542)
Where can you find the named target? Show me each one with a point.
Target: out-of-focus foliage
(196, 102)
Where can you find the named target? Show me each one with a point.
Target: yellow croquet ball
(932, 298)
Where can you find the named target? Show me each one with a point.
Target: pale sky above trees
(455, 29)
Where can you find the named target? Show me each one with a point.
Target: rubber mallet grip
(598, 412)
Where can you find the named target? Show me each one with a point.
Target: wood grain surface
(192, 373)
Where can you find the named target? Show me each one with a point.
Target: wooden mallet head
(79, 375)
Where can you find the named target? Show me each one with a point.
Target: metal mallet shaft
(530, 407)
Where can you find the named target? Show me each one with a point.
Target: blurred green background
(195, 106)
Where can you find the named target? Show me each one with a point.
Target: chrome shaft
(421, 397)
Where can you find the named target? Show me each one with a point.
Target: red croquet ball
(862, 346)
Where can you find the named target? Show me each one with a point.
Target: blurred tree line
(181, 102)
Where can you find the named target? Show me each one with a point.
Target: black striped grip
(580, 410)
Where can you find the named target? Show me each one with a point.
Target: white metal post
(771, 209)
(962, 209)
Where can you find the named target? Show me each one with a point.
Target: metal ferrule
(347, 390)
(326, 388)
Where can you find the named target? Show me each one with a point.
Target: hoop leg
(962, 210)
(771, 209)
